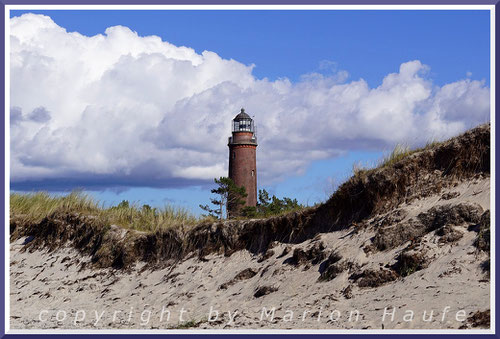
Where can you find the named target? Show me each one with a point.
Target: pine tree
(230, 199)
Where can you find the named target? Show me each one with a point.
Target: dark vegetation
(437, 218)
(243, 275)
(230, 200)
(189, 324)
(332, 267)
(483, 239)
(409, 262)
(449, 234)
(264, 290)
(374, 278)
(268, 254)
(272, 206)
(480, 319)
(314, 255)
(368, 193)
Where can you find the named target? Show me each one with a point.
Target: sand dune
(412, 257)
(44, 283)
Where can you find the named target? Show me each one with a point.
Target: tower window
(252, 173)
(234, 155)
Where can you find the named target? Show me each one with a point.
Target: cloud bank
(121, 109)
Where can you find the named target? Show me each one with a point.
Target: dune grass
(33, 207)
(399, 152)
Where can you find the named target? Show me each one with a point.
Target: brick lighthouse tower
(242, 162)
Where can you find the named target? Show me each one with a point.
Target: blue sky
(317, 51)
(451, 42)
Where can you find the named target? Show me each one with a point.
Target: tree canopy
(230, 199)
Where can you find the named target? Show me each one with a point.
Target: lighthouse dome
(242, 116)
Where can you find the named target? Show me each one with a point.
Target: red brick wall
(242, 136)
(242, 161)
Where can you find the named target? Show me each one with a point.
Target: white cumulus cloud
(121, 109)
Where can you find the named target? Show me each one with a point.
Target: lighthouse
(242, 156)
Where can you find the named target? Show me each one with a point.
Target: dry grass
(357, 169)
(34, 207)
(399, 152)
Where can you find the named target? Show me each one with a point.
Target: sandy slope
(45, 285)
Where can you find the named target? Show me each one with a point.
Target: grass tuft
(399, 152)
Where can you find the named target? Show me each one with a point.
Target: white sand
(47, 285)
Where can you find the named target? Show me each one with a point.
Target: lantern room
(243, 123)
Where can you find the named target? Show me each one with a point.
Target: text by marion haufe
(168, 317)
